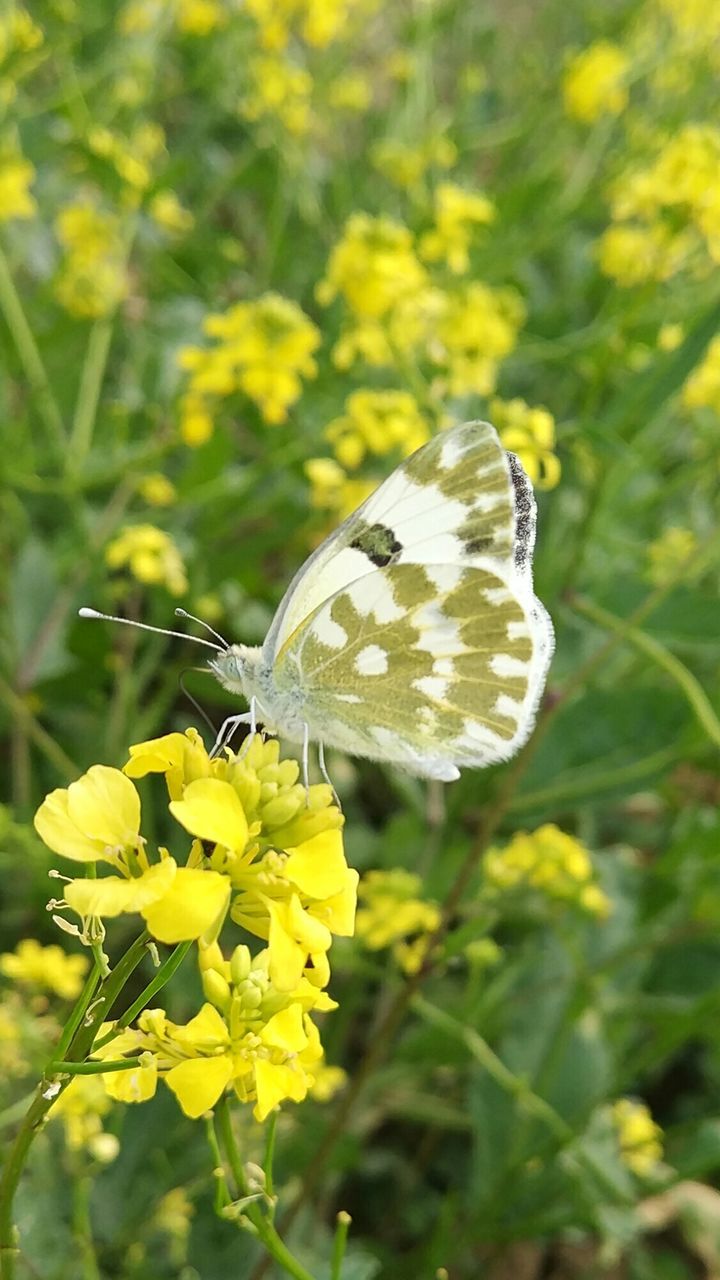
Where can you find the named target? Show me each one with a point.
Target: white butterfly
(412, 634)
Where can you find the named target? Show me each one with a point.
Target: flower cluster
(38, 968)
(639, 1136)
(406, 165)
(394, 915)
(16, 176)
(264, 853)
(549, 862)
(81, 1108)
(317, 22)
(133, 157)
(595, 82)
(92, 278)
(261, 349)
(702, 389)
(668, 553)
(665, 211)
(150, 555)
(528, 431)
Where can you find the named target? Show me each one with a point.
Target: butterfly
(412, 634)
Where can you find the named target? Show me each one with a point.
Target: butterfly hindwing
(433, 666)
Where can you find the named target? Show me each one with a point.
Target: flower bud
(239, 964)
(216, 989)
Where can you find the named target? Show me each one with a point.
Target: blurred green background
(251, 256)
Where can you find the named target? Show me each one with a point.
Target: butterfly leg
(325, 774)
(228, 727)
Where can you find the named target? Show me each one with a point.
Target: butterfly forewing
(451, 502)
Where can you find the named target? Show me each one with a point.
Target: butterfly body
(412, 634)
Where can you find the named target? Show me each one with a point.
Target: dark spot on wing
(480, 544)
(378, 543)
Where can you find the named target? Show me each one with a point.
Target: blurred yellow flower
(18, 32)
(47, 968)
(16, 175)
(550, 861)
(196, 422)
(405, 164)
(377, 422)
(200, 17)
(457, 213)
(166, 210)
(331, 489)
(668, 553)
(157, 490)
(394, 915)
(82, 1107)
(317, 22)
(530, 433)
(262, 349)
(631, 253)
(352, 91)
(477, 329)
(594, 83)
(134, 157)
(92, 279)
(151, 556)
(371, 266)
(279, 89)
(702, 389)
(639, 1136)
(328, 1082)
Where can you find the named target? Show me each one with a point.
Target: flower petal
(136, 1085)
(211, 809)
(54, 826)
(204, 1033)
(274, 1083)
(195, 904)
(105, 806)
(112, 896)
(285, 1030)
(318, 866)
(157, 755)
(198, 1083)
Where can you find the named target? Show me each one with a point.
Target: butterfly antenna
(183, 613)
(145, 626)
(200, 710)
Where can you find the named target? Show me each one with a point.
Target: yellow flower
(457, 212)
(550, 861)
(668, 553)
(332, 490)
(151, 556)
(632, 254)
(82, 1107)
(594, 82)
(263, 1044)
(530, 433)
(92, 280)
(200, 17)
(405, 164)
(49, 968)
(352, 91)
(372, 266)
(16, 175)
(278, 90)
(640, 1137)
(157, 490)
(393, 914)
(196, 424)
(328, 1082)
(377, 422)
(477, 329)
(702, 389)
(262, 349)
(166, 210)
(96, 819)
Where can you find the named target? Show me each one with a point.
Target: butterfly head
(235, 667)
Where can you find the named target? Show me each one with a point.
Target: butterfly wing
(461, 499)
(430, 667)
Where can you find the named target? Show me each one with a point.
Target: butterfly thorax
(245, 670)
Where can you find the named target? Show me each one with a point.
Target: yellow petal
(105, 806)
(285, 1030)
(318, 866)
(54, 826)
(198, 1083)
(136, 1085)
(112, 896)
(204, 1033)
(293, 935)
(338, 912)
(157, 755)
(211, 809)
(274, 1083)
(195, 904)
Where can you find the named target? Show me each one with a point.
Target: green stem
(339, 1244)
(662, 657)
(82, 1227)
(97, 1068)
(264, 1229)
(30, 358)
(86, 1023)
(24, 719)
(91, 380)
(163, 976)
(78, 1013)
